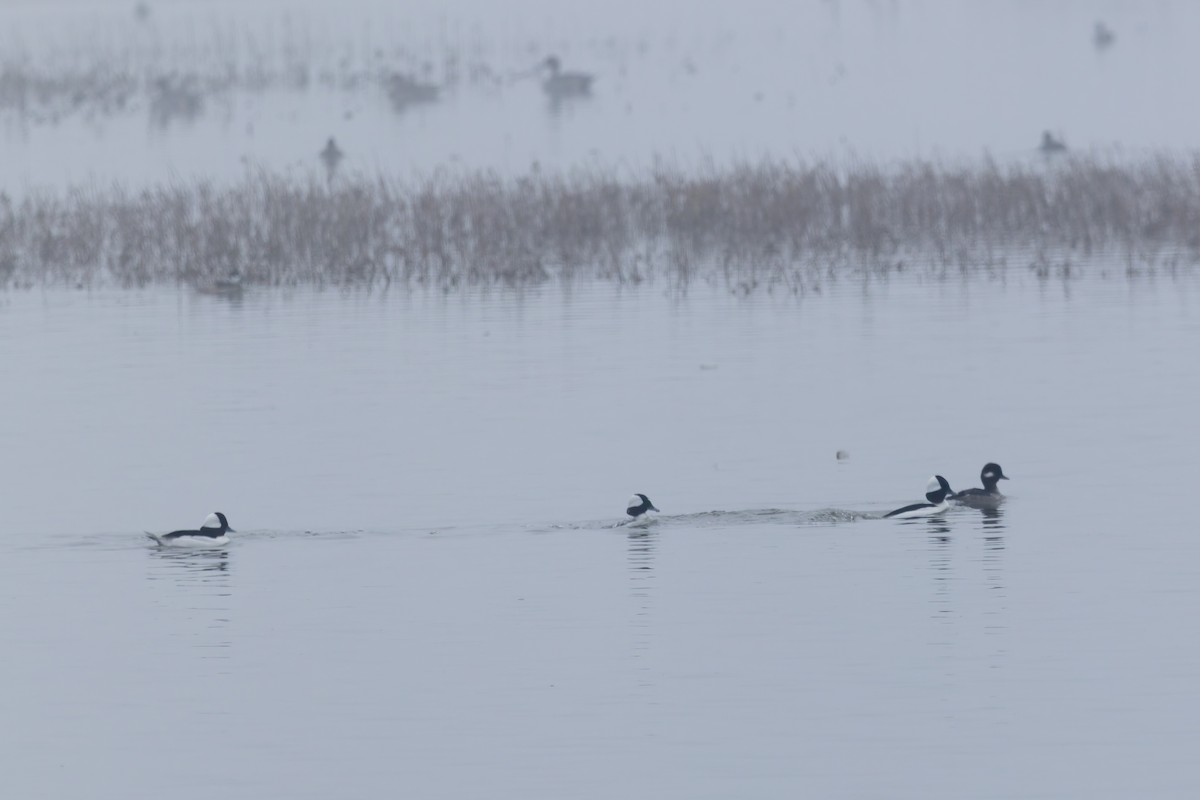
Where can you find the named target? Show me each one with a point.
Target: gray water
(426, 596)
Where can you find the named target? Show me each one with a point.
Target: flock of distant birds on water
(560, 85)
(215, 530)
(939, 497)
(403, 91)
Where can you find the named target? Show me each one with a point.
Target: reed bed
(771, 225)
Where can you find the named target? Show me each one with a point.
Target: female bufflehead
(937, 492)
(989, 495)
(639, 504)
(211, 534)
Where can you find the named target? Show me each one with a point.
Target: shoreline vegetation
(774, 225)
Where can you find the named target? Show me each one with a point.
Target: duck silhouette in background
(331, 156)
(559, 85)
(1051, 145)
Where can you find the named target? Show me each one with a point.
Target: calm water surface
(427, 598)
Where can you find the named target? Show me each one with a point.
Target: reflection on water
(993, 517)
(995, 602)
(191, 566)
(940, 563)
(993, 545)
(198, 592)
(970, 613)
(641, 545)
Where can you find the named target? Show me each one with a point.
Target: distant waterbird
(937, 493)
(989, 496)
(404, 91)
(1050, 145)
(214, 532)
(331, 156)
(1103, 36)
(228, 286)
(638, 505)
(559, 85)
(230, 283)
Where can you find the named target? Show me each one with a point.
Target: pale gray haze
(419, 319)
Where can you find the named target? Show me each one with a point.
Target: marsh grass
(772, 225)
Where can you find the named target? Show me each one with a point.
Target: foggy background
(857, 78)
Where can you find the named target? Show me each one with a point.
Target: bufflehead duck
(211, 534)
(559, 85)
(937, 492)
(638, 505)
(989, 495)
